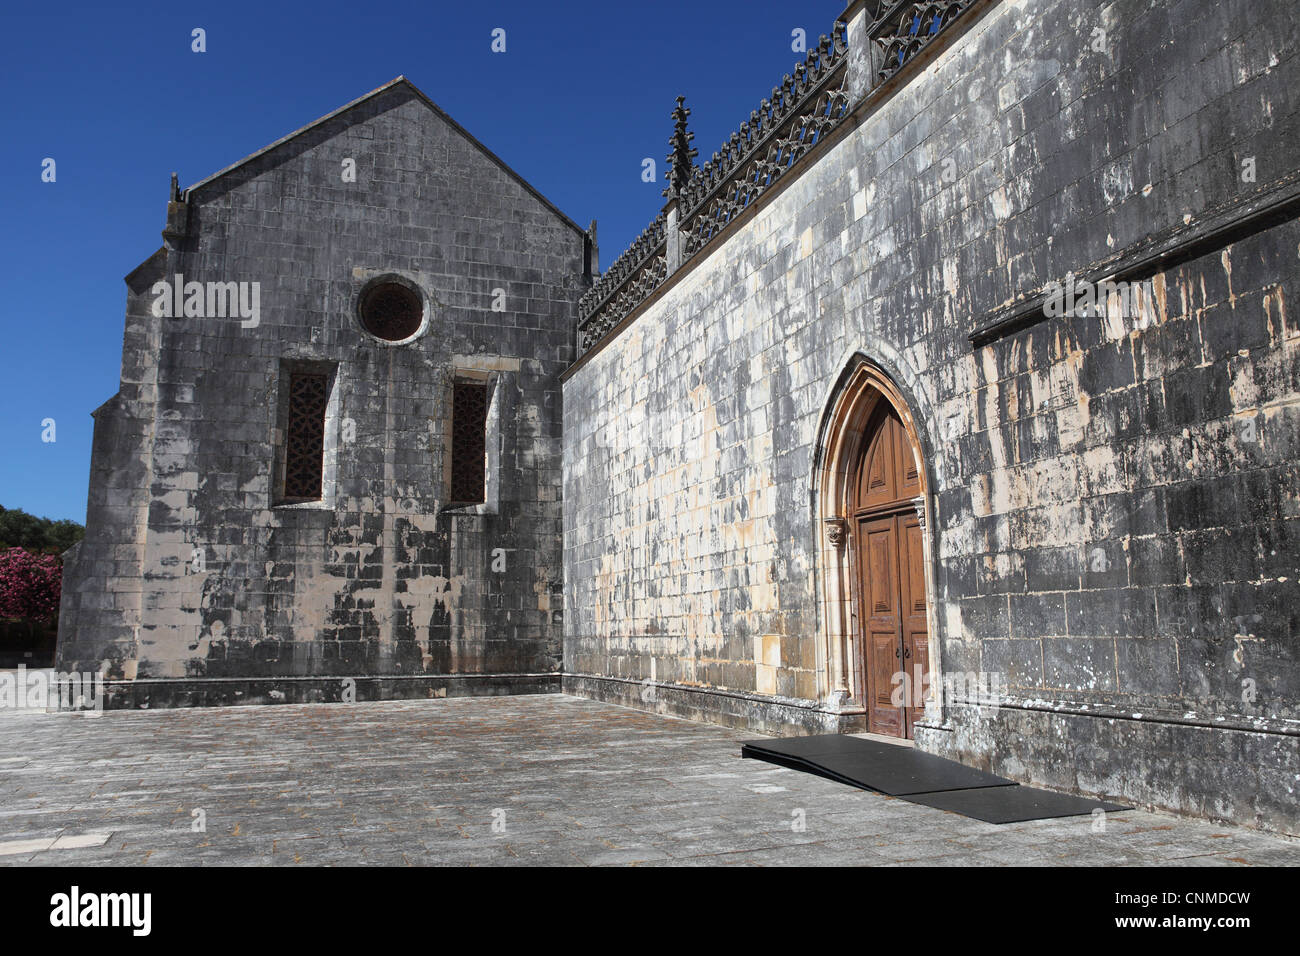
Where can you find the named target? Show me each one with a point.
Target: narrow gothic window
(468, 442)
(305, 438)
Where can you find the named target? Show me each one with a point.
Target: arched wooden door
(891, 612)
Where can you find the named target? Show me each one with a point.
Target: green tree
(18, 529)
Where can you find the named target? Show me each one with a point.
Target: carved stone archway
(862, 386)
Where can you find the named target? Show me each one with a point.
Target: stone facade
(194, 585)
(1112, 508)
(1109, 506)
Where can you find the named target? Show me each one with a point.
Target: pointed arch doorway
(873, 498)
(892, 628)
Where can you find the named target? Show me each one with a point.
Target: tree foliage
(18, 529)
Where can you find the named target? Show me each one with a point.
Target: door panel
(915, 628)
(883, 618)
(891, 578)
(907, 476)
(878, 479)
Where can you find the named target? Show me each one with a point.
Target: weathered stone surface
(1114, 501)
(566, 782)
(381, 577)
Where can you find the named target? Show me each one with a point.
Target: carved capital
(919, 505)
(836, 531)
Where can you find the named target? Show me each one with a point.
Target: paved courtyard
(497, 781)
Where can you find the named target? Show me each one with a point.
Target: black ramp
(804, 766)
(807, 746)
(898, 771)
(886, 768)
(802, 753)
(1011, 804)
(831, 754)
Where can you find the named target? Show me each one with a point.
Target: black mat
(816, 744)
(1012, 804)
(870, 765)
(919, 778)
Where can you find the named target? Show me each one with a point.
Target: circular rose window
(391, 311)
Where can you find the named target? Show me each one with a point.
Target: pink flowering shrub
(30, 584)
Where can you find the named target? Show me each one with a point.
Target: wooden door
(882, 619)
(915, 629)
(891, 587)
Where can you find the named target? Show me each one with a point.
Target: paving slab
(545, 780)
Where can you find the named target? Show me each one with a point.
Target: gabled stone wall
(193, 585)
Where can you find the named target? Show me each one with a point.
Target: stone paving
(497, 781)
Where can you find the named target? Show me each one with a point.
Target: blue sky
(114, 94)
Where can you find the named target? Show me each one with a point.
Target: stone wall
(381, 579)
(1114, 500)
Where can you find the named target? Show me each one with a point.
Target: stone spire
(178, 214)
(680, 160)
